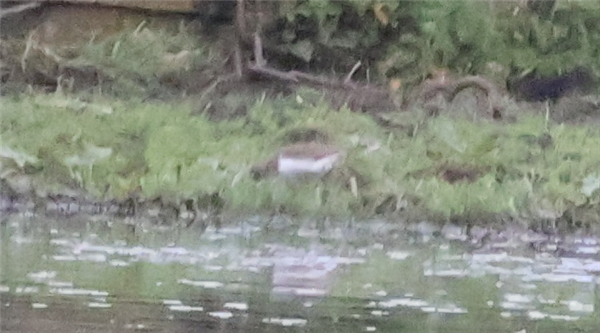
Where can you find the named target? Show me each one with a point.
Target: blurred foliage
(408, 39)
(135, 61)
(402, 41)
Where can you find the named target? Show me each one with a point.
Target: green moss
(115, 149)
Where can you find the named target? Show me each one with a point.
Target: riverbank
(131, 153)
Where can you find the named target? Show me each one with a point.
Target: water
(84, 274)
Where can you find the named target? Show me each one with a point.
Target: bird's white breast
(296, 165)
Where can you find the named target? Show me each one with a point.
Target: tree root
(448, 88)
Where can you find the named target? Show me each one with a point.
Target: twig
(237, 59)
(312, 78)
(258, 51)
(19, 8)
(240, 24)
(293, 76)
(354, 69)
(287, 76)
(258, 47)
(240, 17)
(297, 77)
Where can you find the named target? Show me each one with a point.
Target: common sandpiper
(301, 158)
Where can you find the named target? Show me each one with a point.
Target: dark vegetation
(536, 89)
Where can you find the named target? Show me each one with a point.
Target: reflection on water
(103, 275)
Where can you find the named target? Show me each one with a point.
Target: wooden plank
(179, 6)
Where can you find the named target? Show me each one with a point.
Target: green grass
(113, 149)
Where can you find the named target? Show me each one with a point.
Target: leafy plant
(410, 39)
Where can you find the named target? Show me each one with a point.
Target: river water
(257, 274)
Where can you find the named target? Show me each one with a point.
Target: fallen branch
(358, 97)
(262, 70)
(299, 77)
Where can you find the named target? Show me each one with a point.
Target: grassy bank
(441, 167)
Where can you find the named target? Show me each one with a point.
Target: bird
(305, 158)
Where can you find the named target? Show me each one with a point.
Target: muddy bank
(155, 211)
